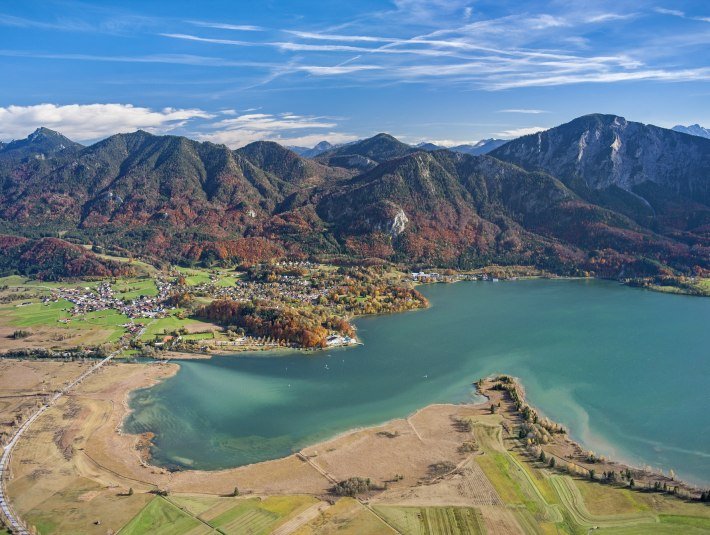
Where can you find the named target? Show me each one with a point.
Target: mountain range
(693, 130)
(313, 151)
(599, 194)
(475, 149)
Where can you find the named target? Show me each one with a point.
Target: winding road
(12, 519)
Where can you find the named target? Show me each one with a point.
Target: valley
(256, 304)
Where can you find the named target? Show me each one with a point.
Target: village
(285, 289)
(103, 297)
(167, 307)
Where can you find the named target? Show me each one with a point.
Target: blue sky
(297, 72)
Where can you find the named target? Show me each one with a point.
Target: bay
(625, 370)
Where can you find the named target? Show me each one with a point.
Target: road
(15, 524)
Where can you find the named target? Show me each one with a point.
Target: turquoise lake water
(626, 370)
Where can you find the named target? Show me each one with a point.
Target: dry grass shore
(74, 468)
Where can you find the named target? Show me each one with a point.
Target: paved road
(15, 524)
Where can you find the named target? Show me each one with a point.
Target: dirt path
(409, 421)
(317, 468)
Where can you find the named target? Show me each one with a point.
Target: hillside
(443, 208)
(366, 153)
(40, 144)
(53, 259)
(599, 195)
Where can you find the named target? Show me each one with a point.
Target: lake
(626, 370)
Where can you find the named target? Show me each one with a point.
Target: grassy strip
(160, 517)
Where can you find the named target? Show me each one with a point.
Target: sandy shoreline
(572, 444)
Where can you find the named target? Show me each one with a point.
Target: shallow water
(626, 370)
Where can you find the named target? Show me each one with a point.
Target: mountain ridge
(530, 201)
(640, 170)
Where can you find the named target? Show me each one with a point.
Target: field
(132, 288)
(700, 286)
(161, 517)
(226, 515)
(51, 325)
(172, 323)
(434, 520)
(346, 517)
(219, 277)
(25, 384)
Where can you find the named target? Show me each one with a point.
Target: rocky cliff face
(624, 165)
(607, 150)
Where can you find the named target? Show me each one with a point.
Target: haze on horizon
(447, 71)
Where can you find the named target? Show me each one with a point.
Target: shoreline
(440, 455)
(575, 444)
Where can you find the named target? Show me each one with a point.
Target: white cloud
(518, 132)
(522, 110)
(673, 12)
(346, 38)
(285, 128)
(224, 26)
(188, 37)
(604, 77)
(267, 123)
(678, 13)
(309, 140)
(607, 17)
(336, 69)
(84, 122)
(451, 142)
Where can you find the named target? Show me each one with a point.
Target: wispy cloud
(609, 17)
(92, 121)
(336, 69)
(686, 75)
(63, 25)
(111, 22)
(680, 14)
(225, 26)
(440, 43)
(518, 132)
(673, 12)
(502, 53)
(177, 59)
(188, 37)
